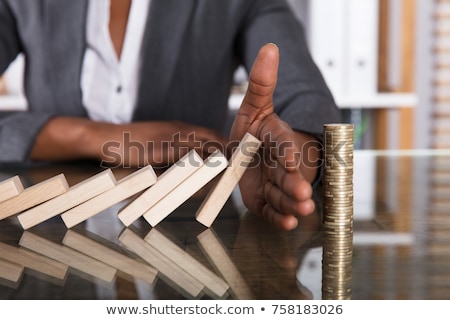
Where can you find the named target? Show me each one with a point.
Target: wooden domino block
(34, 261)
(170, 179)
(218, 196)
(168, 270)
(213, 283)
(109, 256)
(34, 196)
(219, 257)
(10, 188)
(212, 167)
(76, 195)
(10, 271)
(125, 188)
(66, 255)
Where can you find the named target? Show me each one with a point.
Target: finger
(258, 102)
(252, 190)
(279, 220)
(286, 205)
(293, 184)
(279, 140)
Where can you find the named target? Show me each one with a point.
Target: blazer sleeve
(10, 45)
(17, 129)
(302, 97)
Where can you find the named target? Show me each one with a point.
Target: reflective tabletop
(401, 244)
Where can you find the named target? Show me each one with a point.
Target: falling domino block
(66, 255)
(76, 195)
(212, 166)
(213, 283)
(96, 250)
(125, 188)
(168, 270)
(34, 196)
(171, 178)
(217, 197)
(10, 188)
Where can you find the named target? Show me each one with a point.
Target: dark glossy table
(401, 244)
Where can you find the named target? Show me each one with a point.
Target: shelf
(382, 100)
(378, 101)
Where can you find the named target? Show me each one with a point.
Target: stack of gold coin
(337, 211)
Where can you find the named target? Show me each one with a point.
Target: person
(161, 70)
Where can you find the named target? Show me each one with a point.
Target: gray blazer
(191, 50)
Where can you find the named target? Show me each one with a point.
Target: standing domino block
(125, 188)
(34, 196)
(76, 195)
(218, 195)
(213, 166)
(171, 178)
(10, 188)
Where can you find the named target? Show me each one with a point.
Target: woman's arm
(135, 144)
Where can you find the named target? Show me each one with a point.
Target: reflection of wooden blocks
(76, 195)
(68, 256)
(34, 261)
(219, 257)
(168, 270)
(171, 178)
(34, 196)
(10, 271)
(125, 188)
(10, 188)
(109, 256)
(217, 197)
(216, 285)
(212, 166)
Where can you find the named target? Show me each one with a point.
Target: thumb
(258, 102)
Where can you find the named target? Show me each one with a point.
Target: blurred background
(387, 63)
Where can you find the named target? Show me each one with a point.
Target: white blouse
(109, 86)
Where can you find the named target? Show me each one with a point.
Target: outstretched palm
(275, 189)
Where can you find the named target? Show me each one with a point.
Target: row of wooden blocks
(155, 197)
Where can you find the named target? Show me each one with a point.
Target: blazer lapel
(66, 23)
(163, 39)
